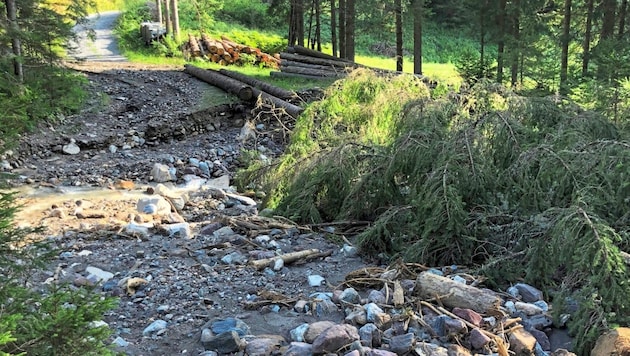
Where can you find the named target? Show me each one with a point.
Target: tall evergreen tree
(566, 37)
(399, 35)
(418, 9)
(586, 43)
(350, 28)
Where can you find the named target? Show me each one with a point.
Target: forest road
(104, 47)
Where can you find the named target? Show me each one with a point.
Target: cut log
(454, 294)
(291, 109)
(312, 53)
(240, 89)
(287, 63)
(195, 50)
(295, 75)
(273, 90)
(319, 61)
(314, 72)
(287, 258)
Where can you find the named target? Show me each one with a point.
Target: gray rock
(370, 335)
(223, 232)
(541, 338)
(262, 346)
(242, 199)
(155, 327)
(349, 251)
(224, 343)
(301, 306)
(120, 342)
(315, 280)
(455, 326)
(478, 340)
(299, 349)
(317, 328)
(136, 229)
(358, 316)
(153, 205)
(178, 230)
(98, 274)
(334, 338)
(372, 311)
(376, 296)
(350, 295)
(234, 258)
(402, 344)
(528, 293)
(458, 350)
(71, 149)
(377, 352)
(162, 173)
(298, 333)
(539, 322)
(428, 349)
(230, 324)
(353, 353)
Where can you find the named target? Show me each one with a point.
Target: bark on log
(194, 46)
(454, 294)
(295, 75)
(319, 61)
(315, 72)
(287, 63)
(287, 258)
(291, 109)
(273, 90)
(312, 53)
(240, 89)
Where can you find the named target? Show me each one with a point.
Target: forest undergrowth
(517, 188)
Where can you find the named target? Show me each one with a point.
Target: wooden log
(295, 75)
(314, 72)
(287, 63)
(454, 294)
(231, 43)
(194, 46)
(291, 109)
(312, 53)
(318, 61)
(287, 258)
(240, 89)
(266, 87)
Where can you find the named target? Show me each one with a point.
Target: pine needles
(523, 188)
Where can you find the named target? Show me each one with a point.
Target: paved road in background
(104, 48)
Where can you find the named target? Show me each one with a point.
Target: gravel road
(104, 47)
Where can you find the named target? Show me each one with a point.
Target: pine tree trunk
(333, 28)
(311, 41)
(167, 16)
(15, 41)
(623, 12)
(501, 42)
(586, 45)
(399, 36)
(300, 21)
(516, 47)
(342, 29)
(609, 8)
(564, 60)
(418, 7)
(175, 19)
(318, 25)
(350, 17)
(158, 4)
(482, 40)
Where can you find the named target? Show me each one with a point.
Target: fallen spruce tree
(532, 189)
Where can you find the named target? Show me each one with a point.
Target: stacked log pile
(300, 61)
(246, 88)
(225, 51)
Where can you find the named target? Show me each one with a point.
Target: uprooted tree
(531, 188)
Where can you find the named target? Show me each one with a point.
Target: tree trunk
(333, 28)
(399, 36)
(350, 17)
(311, 41)
(623, 11)
(233, 86)
(342, 29)
(296, 23)
(516, 47)
(564, 60)
(418, 8)
(273, 90)
(175, 19)
(501, 42)
(167, 16)
(609, 7)
(158, 3)
(482, 40)
(16, 44)
(318, 25)
(586, 45)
